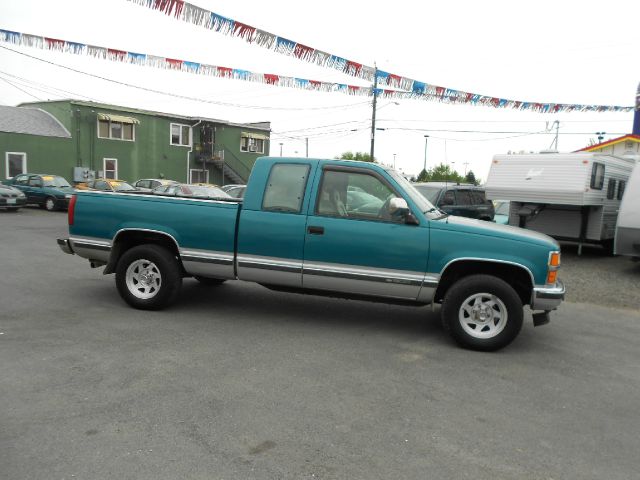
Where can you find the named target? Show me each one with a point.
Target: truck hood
(491, 229)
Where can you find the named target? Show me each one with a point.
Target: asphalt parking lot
(238, 382)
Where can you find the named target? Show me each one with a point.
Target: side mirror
(398, 205)
(399, 208)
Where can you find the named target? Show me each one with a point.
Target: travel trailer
(569, 196)
(627, 240)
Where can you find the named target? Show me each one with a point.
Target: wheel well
(132, 238)
(518, 277)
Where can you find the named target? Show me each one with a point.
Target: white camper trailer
(628, 228)
(569, 196)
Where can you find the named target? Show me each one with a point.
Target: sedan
(11, 198)
(191, 190)
(51, 192)
(149, 184)
(107, 185)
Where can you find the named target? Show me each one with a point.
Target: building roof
(266, 126)
(609, 143)
(31, 121)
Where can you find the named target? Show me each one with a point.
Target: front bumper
(65, 245)
(12, 202)
(547, 298)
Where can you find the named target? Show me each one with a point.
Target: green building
(78, 140)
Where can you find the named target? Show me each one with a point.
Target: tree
(440, 173)
(423, 176)
(471, 178)
(361, 156)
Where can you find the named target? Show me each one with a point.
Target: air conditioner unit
(253, 148)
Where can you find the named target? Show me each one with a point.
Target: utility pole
(465, 168)
(394, 161)
(306, 141)
(280, 148)
(373, 113)
(426, 139)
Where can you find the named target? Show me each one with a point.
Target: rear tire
(148, 277)
(49, 204)
(482, 312)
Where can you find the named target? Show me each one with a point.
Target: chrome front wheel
(483, 315)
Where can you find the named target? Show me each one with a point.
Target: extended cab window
(353, 195)
(285, 188)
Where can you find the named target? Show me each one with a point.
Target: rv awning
(258, 136)
(118, 118)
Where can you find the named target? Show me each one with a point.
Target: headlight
(68, 196)
(21, 195)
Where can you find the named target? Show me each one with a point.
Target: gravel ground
(599, 279)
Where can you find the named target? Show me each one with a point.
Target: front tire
(482, 312)
(148, 277)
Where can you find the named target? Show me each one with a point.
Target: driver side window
(358, 195)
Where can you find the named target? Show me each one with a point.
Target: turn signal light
(552, 276)
(554, 260)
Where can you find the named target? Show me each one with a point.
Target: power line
(18, 88)
(44, 88)
(176, 95)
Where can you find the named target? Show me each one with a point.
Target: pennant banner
(187, 12)
(418, 91)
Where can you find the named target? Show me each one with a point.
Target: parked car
(463, 200)
(11, 198)
(501, 208)
(191, 190)
(148, 184)
(107, 185)
(235, 191)
(48, 191)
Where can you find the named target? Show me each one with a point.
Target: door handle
(316, 230)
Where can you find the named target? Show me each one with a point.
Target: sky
(544, 51)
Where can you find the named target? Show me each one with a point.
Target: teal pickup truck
(324, 227)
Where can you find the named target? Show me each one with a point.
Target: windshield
(422, 203)
(121, 186)
(51, 181)
(430, 193)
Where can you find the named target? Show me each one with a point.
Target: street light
(394, 161)
(280, 148)
(426, 139)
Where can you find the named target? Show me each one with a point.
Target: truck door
(357, 247)
(271, 233)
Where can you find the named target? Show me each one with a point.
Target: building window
(198, 176)
(180, 135)
(15, 164)
(621, 187)
(116, 130)
(611, 189)
(110, 168)
(597, 176)
(252, 143)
